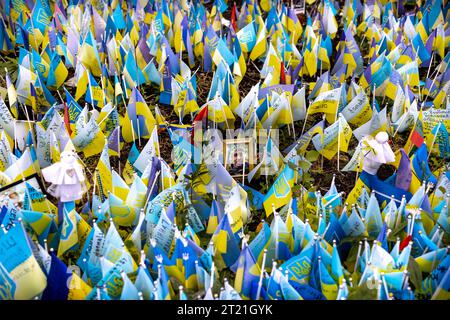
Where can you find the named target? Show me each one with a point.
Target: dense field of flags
(337, 78)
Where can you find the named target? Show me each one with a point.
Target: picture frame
(239, 156)
(16, 190)
(299, 6)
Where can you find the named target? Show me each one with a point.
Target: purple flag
(280, 88)
(153, 185)
(113, 140)
(144, 50)
(404, 173)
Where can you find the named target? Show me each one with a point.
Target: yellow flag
(69, 232)
(261, 41)
(337, 136)
(326, 102)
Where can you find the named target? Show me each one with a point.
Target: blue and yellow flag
(63, 283)
(225, 244)
(139, 120)
(89, 56)
(22, 277)
(69, 234)
(247, 273)
(281, 191)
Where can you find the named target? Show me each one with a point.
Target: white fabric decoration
(67, 178)
(382, 152)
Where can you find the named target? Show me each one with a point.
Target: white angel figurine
(67, 177)
(380, 152)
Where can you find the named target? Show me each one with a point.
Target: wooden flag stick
(138, 132)
(357, 256)
(320, 67)
(263, 267)
(151, 189)
(213, 268)
(373, 101)
(275, 215)
(90, 89)
(123, 99)
(132, 130)
(125, 87)
(15, 134)
(106, 117)
(293, 126)
(435, 252)
(434, 140)
(24, 107)
(439, 288)
(243, 169)
(432, 83)
(357, 173)
(399, 125)
(304, 123)
(339, 141)
(429, 67)
(289, 129)
(95, 183)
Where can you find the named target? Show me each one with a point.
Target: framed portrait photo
(17, 191)
(239, 156)
(299, 6)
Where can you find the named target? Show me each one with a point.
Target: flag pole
(213, 268)
(95, 183)
(321, 65)
(255, 131)
(181, 44)
(434, 139)
(103, 89)
(90, 88)
(429, 68)
(132, 130)
(304, 123)
(399, 216)
(432, 83)
(374, 99)
(151, 189)
(115, 97)
(15, 134)
(24, 107)
(125, 91)
(275, 215)
(357, 256)
(106, 117)
(243, 169)
(263, 264)
(357, 172)
(438, 182)
(266, 172)
(339, 141)
(138, 132)
(439, 288)
(435, 252)
(293, 126)
(398, 127)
